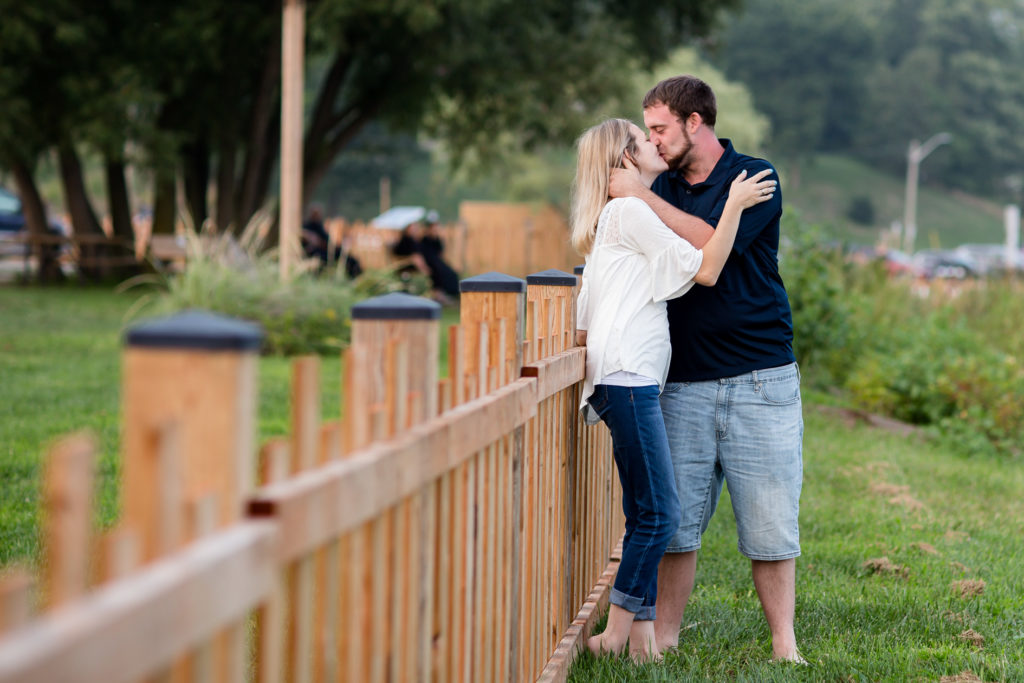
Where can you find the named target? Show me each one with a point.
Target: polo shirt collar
(722, 168)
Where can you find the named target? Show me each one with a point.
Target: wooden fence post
(495, 302)
(397, 336)
(551, 323)
(188, 437)
(198, 370)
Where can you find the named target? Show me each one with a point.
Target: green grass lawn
(888, 524)
(868, 494)
(60, 370)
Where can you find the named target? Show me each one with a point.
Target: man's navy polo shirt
(743, 323)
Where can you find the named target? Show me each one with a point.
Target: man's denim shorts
(746, 431)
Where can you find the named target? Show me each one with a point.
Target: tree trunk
(196, 159)
(120, 204)
(225, 210)
(164, 213)
(262, 138)
(92, 256)
(35, 221)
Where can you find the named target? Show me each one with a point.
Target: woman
(634, 264)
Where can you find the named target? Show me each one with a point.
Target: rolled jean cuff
(646, 613)
(626, 602)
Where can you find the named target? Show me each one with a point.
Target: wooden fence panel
(440, 530)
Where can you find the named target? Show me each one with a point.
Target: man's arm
(627, 183)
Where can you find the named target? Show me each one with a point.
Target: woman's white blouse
(636, 264)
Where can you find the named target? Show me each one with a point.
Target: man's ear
(693, 122)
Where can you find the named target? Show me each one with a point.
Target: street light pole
(915, 155)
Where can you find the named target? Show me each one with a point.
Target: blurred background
(116, 114)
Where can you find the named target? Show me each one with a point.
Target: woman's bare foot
(613, 639)
(642, 642)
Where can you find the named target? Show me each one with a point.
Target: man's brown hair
(684, 95)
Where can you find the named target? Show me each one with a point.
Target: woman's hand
(747, 192)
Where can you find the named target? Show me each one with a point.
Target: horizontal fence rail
(441, 529)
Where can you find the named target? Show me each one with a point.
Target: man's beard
(681, 161)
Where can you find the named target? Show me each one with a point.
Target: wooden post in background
(293, 32)
(198, 371)
(397, 337)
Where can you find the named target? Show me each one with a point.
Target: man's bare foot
(793, 656)
(667, 643)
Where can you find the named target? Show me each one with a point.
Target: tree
(867, 78)
(189, 89)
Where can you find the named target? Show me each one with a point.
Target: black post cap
(556, 278)
(396, 306)
(196, 329)
(492, 282)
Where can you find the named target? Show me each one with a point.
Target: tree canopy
(189, 90)
(866, 78)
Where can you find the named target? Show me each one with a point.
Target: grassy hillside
(822, 190)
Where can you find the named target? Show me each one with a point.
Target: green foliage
(908, 351)
(814, 274)
(861, 210)
(867, 78)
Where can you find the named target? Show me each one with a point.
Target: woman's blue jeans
(649, 500)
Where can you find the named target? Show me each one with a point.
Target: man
(732, 402)
(315, 242)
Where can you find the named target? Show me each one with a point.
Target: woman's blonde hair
(599, 150)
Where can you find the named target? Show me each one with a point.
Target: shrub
(861, 210)
(822, 332)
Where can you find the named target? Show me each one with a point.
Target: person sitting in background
(421, 245)
(316, 242)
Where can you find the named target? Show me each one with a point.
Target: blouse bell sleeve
(673, 261)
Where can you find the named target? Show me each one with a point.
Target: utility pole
(915, 155)
(293, 31)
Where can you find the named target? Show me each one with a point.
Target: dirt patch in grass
(926, 548)
(973, 637)
(897, 495)
(882, 565)
(955, 617)
(960, 567)
(968, 588)
(852, 418)
(905, 500)
(884, 488)
(962, 677)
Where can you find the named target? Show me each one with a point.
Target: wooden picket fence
(442, 529)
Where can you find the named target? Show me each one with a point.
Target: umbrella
(397, 217)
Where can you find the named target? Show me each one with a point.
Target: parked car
(900, 263)
(945, 264)
(991, 259)
(12, 226)
(12, 222)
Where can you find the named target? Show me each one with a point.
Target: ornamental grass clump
(307, 313)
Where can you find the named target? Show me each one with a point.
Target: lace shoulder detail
(609, 224)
